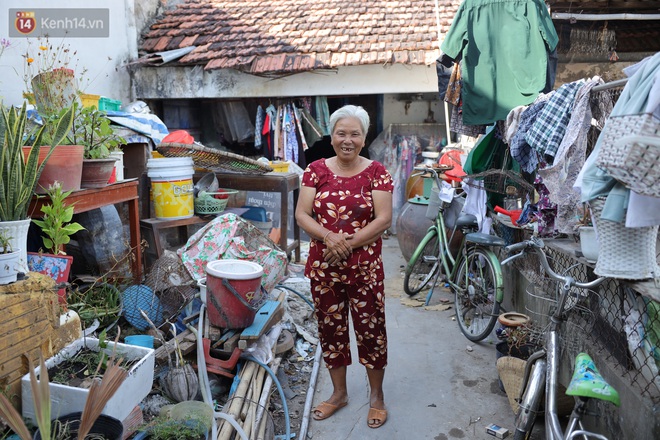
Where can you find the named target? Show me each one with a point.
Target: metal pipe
(610, 85)
(551, 419)
(302, 435)
(603, 17)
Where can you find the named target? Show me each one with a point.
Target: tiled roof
(288, 36)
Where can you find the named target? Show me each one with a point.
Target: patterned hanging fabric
(291, 142)
(298, 119)
(258, 126)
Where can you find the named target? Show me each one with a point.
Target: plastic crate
(89, 100)
(107, 104)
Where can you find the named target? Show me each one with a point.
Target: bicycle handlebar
(538, 246)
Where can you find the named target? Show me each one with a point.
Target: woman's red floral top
(345, 204)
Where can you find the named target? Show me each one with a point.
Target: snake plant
(18, 177)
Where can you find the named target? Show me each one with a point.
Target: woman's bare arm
(382, 201)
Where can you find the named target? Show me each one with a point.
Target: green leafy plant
(5, 243)
(19, 177)
(99, 301)
(91, 128)
(165, 428)
(56, 223)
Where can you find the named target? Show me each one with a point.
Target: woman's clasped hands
(337, 247)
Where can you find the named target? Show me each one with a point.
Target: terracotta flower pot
(64, 166)
(97, 172)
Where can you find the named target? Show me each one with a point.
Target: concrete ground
(438, 385)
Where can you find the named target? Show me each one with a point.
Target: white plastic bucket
(172, 187)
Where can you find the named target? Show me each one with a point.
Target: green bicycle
(474, 274)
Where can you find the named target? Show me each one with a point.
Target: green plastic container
(107, 104)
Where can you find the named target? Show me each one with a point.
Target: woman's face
(347, 138)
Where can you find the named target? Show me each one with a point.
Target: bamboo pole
(237, 400)
(263, 401)
(246, 412)
(254, 399)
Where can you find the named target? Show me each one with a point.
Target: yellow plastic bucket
(172, 187)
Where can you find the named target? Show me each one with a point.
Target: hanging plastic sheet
(230, 236)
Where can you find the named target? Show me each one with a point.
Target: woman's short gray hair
(350, 111)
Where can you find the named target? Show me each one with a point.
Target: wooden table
(282, 183)
(93, 198)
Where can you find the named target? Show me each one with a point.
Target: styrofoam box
(66, 399)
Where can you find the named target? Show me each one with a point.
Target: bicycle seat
(587, 381)
(464, 220)
(484, 239)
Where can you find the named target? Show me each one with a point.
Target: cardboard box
(497, 431)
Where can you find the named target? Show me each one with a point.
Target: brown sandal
(380, 415)
(326, 409)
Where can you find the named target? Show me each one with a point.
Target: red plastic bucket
(233, 291)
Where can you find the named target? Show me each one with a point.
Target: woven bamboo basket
(214, 159)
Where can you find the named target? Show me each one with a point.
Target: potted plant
(64, 165)
(68, 397)
(19, 174)
(50, 75)
(78, 426)
(9, 260)
(57, 228)
(92, 129)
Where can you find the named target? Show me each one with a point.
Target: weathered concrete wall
(180, 83)
(103, 58)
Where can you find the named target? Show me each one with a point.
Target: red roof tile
(284, 36)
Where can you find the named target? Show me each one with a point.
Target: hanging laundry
(323, 114)
(290, 142)
(266, 132)
(511, 123)
(258, 127)
(560, 176)
(311, 129)
(456, 124)
(504, 45)
(444, 68)
(453, 93)
(548, 130)
(277, 134)
(520, 149)
(306, 103)
(301, 136)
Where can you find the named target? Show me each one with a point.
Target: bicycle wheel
(475, 299)
(423, 264)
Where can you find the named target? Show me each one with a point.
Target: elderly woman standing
(345, 204)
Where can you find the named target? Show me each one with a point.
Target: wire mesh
(171, 284)
(614, 323)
